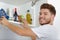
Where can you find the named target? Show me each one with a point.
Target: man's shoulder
(46, 27)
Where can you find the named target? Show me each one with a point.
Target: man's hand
(3, 20)
(24, 21)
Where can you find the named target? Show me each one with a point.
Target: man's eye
(40, 14)
(45, 14)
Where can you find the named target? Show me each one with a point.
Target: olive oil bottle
(28, 17)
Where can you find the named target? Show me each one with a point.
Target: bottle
(15, 15)
(20, 17)
(28, 17)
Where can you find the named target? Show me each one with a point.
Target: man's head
(47, 14)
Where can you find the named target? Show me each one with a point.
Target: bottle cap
(28, 10)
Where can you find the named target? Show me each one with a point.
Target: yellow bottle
(28, 17)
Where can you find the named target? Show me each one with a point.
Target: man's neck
(47, 24)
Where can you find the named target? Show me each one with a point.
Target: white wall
(56, 3)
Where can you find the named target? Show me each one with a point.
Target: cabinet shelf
(18, 22)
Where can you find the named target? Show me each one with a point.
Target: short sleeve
(40, 31)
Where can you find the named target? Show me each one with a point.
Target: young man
(45, 32)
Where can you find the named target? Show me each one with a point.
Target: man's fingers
(2, 17)
(22, 24)
(0, 20)
(24, 20)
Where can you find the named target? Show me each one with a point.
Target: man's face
(45, 16)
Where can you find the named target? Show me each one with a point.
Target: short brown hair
(50, 7)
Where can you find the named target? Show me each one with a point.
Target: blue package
(1, 14)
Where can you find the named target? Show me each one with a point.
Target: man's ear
(52, 17)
